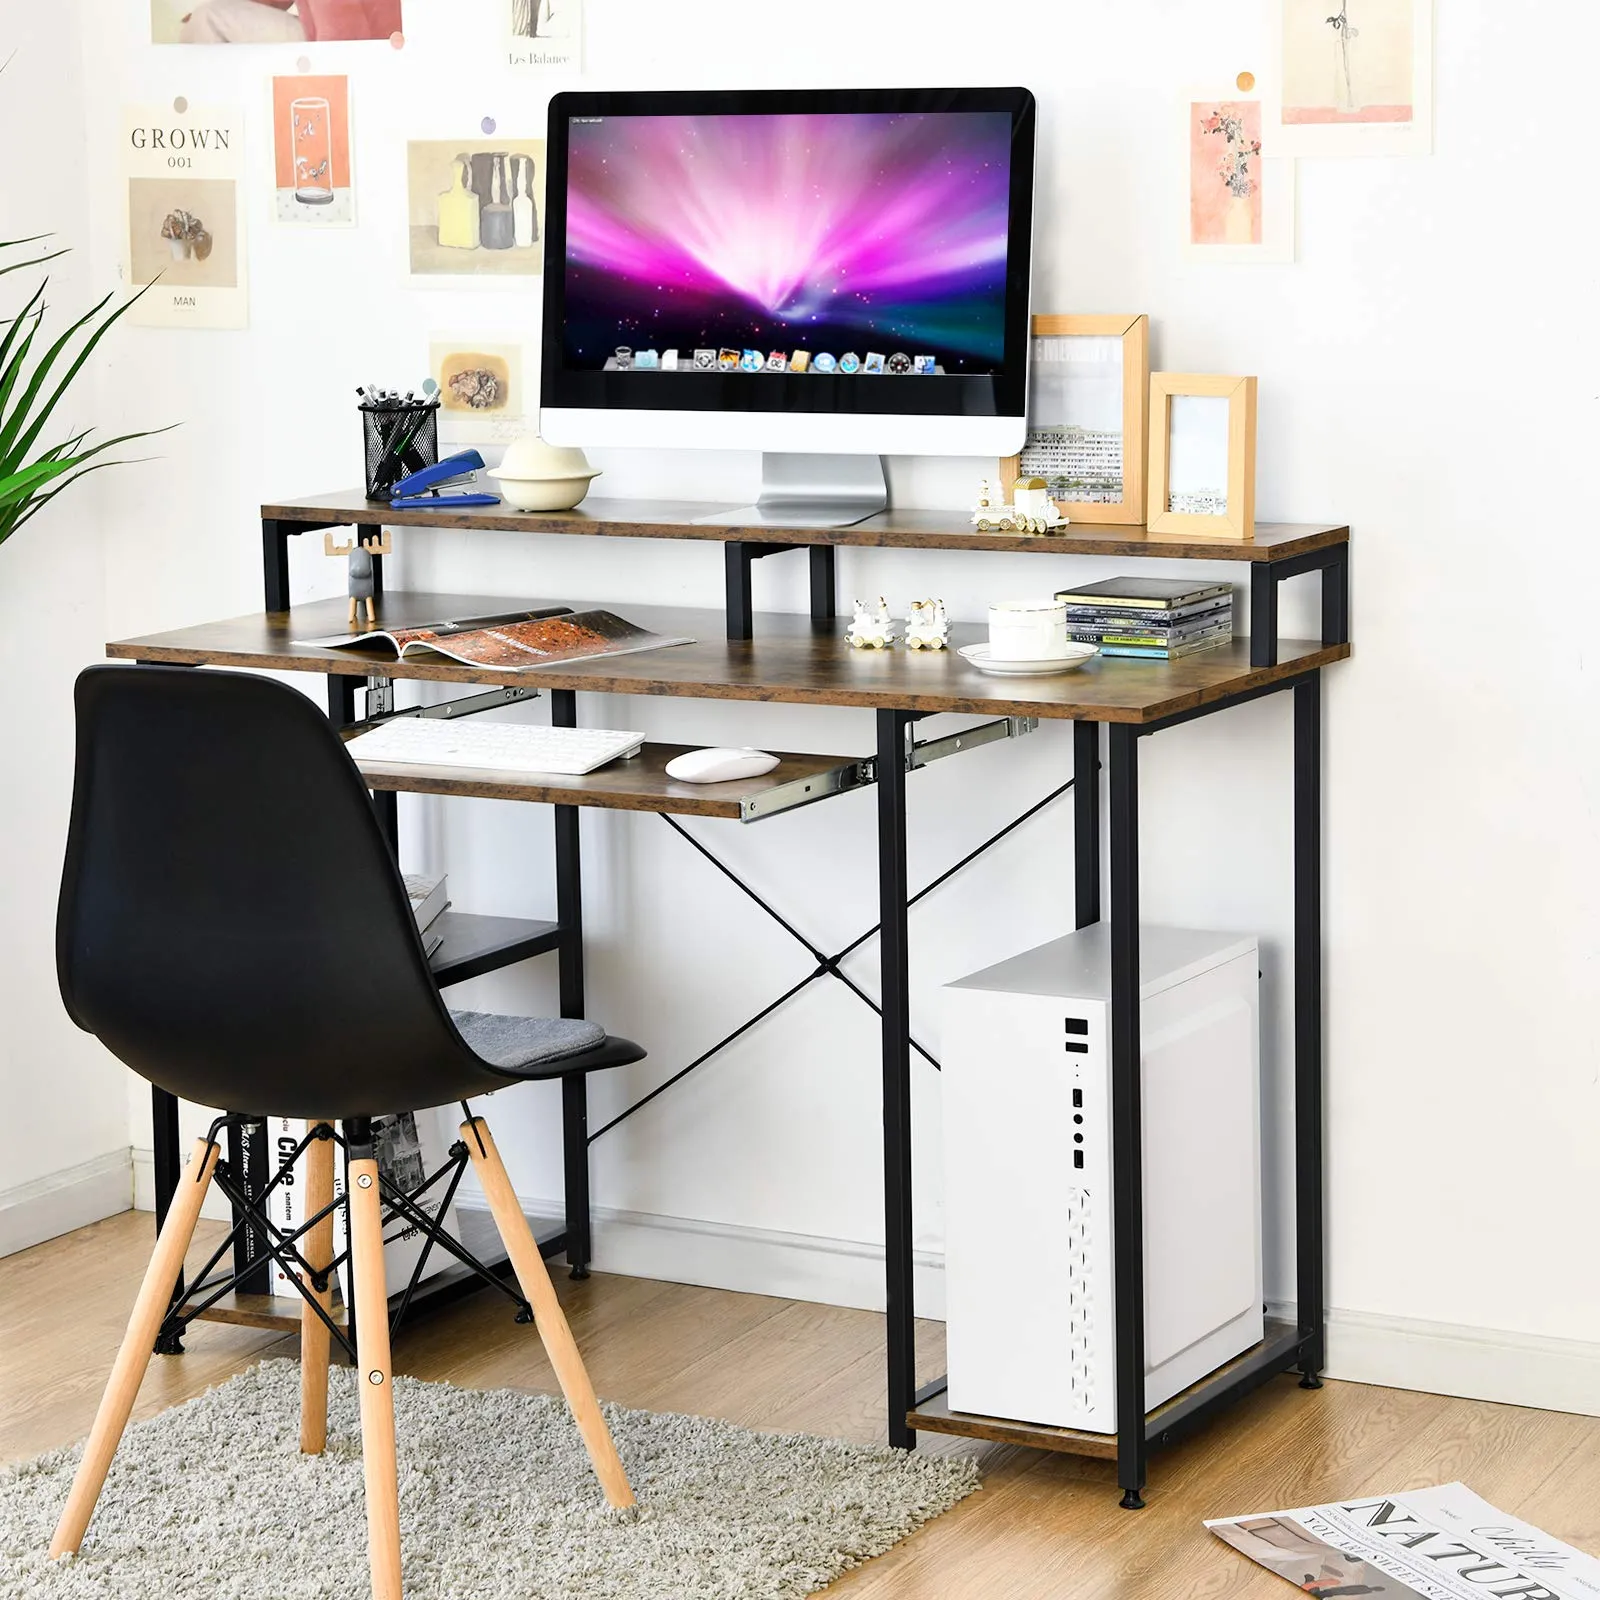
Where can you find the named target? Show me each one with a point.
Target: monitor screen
(781, 250)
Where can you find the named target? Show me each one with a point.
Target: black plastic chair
(233, 927)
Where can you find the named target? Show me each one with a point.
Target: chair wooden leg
(314, 1336)
(559, 1344)
(376, 1377)
(149, 1311)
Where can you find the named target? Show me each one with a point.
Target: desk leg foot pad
(1311, 1381)
(1132, 1500)
(579, 1273)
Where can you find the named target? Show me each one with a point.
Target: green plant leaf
(8, 372)
(33, 432)
(11, 520)
(17, 433)
(19, 486)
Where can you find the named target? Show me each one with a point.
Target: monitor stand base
(812, 491)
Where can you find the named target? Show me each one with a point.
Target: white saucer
(978, 656)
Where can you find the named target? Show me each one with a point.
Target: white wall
(1435, 340)
(63, 1126)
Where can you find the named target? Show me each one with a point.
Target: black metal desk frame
(1302, 1348)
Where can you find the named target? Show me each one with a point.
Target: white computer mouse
(719, 765)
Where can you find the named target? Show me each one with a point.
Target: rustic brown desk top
(928, 530)
(791, 660)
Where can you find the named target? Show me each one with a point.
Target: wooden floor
(1042, 1526)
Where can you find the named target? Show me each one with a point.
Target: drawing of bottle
(499, 231)
(459, 225)
(527, 229)
(311, 143)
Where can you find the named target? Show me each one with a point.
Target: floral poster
(311, 152)
(1241, 202)
(184, 239)
(1353, 77)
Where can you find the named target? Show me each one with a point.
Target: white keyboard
(498, 746)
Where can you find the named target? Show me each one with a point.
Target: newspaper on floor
(1435, 1544)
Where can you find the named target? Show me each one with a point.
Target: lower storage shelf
(474, 945)
(1277, 1352)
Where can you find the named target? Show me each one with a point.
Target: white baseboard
(1519, 1369)
(1392, 1352)
(216, 1207)
(721, 1255)
(50, 1206)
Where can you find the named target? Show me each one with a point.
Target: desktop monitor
(822, 275)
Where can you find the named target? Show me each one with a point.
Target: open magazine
(516, 641)
(1432, 1544)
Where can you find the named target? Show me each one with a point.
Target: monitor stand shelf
(1277, 552)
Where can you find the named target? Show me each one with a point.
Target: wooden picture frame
(1238, 518)
(1134, 332)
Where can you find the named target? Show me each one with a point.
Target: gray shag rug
(213, 1501)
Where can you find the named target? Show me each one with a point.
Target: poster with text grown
(184, 238)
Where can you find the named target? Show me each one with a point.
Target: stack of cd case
(1161, 619)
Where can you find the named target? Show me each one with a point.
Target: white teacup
(1028, 630)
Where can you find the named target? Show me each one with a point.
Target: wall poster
(1353, 77)
(312, 181)
(184, 236)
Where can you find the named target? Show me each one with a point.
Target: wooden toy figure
(363, 574)
(928, 626)
(873, 628)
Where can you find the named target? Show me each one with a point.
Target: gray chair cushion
(516, 1044)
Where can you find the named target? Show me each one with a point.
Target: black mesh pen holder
(400, 438)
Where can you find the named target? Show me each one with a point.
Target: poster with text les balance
(184, 241)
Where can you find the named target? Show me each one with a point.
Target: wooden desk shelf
(893, 529)
(792, 660)
(1279, 550)
(638, 784)
(474, 945)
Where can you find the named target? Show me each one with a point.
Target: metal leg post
(574, 1086)
(168, 1165)
(741, 618)
(1127, 1155)
(1308, 1025)
(275, 562)
(1263, 614)
(823, 585)
(342, 699)
(900, 1306)
(1086, 823)
(1336, 597)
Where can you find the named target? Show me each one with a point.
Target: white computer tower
(1029, 1289)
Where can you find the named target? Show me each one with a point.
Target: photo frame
(1087, 409)
(1202, 455)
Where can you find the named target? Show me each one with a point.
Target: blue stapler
(422, 489)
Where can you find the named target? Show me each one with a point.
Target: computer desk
(804, 660)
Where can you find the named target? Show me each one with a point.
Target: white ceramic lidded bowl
(1028, 630)
(535, 476)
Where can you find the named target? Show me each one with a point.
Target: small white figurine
(873, 628)
(1031, 511)
(928, 626)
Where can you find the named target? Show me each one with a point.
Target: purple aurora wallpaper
(840, 233)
